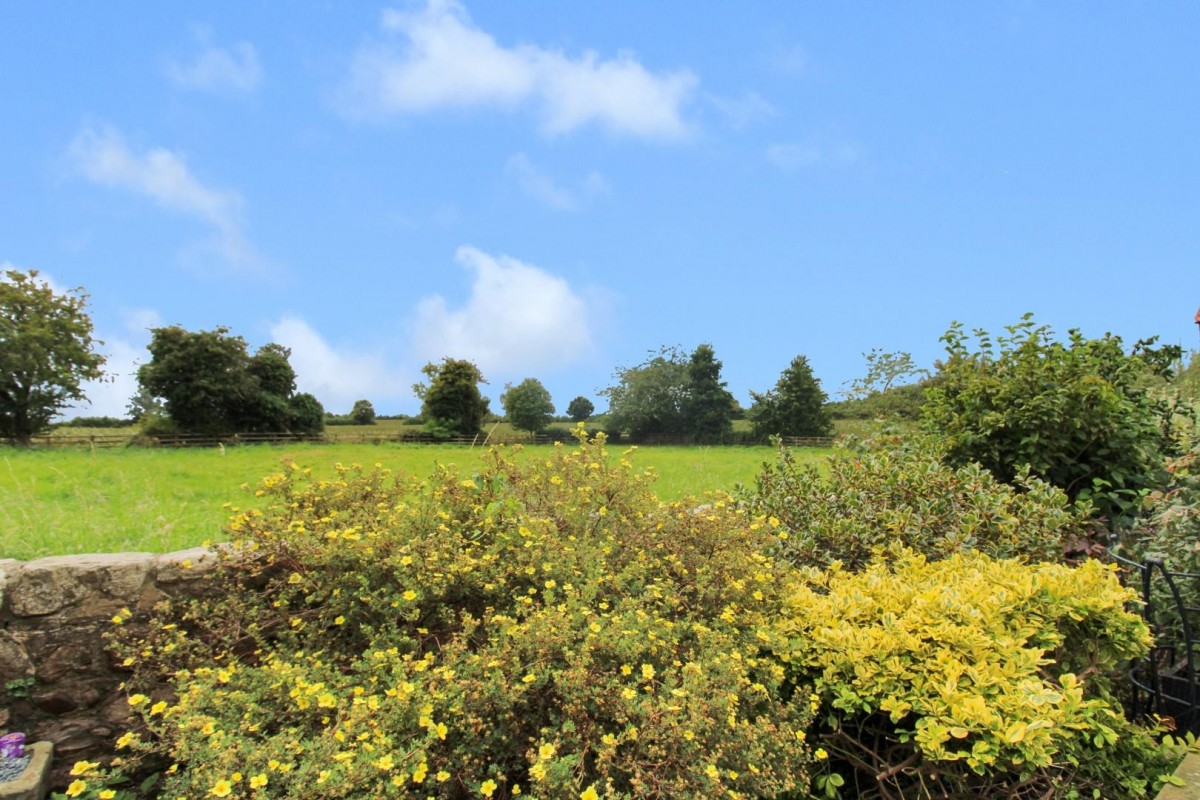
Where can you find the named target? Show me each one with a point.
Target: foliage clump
(451, 403)
(1079, 414)
(888, 491)
(208, 382)
(970, 677)
(544, 627)
(795, 407)
(46, 352)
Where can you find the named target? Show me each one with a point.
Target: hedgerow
(545, 628)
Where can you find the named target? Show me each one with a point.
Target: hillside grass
(66, 501)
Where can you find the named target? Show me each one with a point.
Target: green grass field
(58, 502)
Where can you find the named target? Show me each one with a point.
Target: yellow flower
(327, 701)
(138, 699)
(107, 794)
(546, 751)
(442, 730)
(236, 777)
(410, 595)
(158, 707)
(258, 781)
(712, 771)
(420, 772)
(530, 678)
(221, 788)
(126, 740)
(589, 794)
(83, 767)
(648, 671)
(76, 788)
(487, 788)
(442, 776)
(118, 619)
(821, 754)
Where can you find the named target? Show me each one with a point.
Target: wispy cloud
(742, 112)
(518, 318)
(221, 69)
(338, 376)
(436, 58)
(102, 156)
(794, 157)
(543, 188)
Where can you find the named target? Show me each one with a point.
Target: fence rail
(181, 440)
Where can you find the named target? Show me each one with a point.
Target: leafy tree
(708, 407)
(885, 371)
(305, 414)
(527, 405)
(648, 399)
(45, 352)
(451, 403)
(795, 407)
(209, 383)
(580, 409)
(363, 413)
(1079, 413)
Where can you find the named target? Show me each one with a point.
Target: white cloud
(124, 352)
(444, 61)
(540, 186)
(336, 376)
(518, 319)
(214, 68)
(164, 177)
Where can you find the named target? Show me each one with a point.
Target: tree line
(1088, 415)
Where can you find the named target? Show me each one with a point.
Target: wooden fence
(179, 440)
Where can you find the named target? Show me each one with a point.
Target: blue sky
(552, 190)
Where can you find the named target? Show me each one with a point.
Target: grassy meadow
(64, 501)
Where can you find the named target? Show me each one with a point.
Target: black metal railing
(1164, 683)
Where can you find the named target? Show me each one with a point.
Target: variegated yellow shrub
(970, 677)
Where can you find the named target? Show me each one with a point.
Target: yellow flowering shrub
(544, 628)
(970, 677)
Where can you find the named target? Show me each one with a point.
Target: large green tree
(451, 402)
(46, 352)
(527, 405)
(1080, 413)
(580, 409)
(363, 413)
(209, 383)
(795, 407)
(708, 407)
(649, 399)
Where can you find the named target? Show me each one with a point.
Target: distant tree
(363, 413)
(885, 371)
(795, 407)
(209, 383)
(305, 414)
(527, 405)
(708, 405)
(45, 352)
(649, 399)
(451, 402)
(580, 409)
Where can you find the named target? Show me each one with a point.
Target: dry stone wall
(57, 682)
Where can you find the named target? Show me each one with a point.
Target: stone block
(93, 585)
(33, 782)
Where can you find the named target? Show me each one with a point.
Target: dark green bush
(888, 491)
